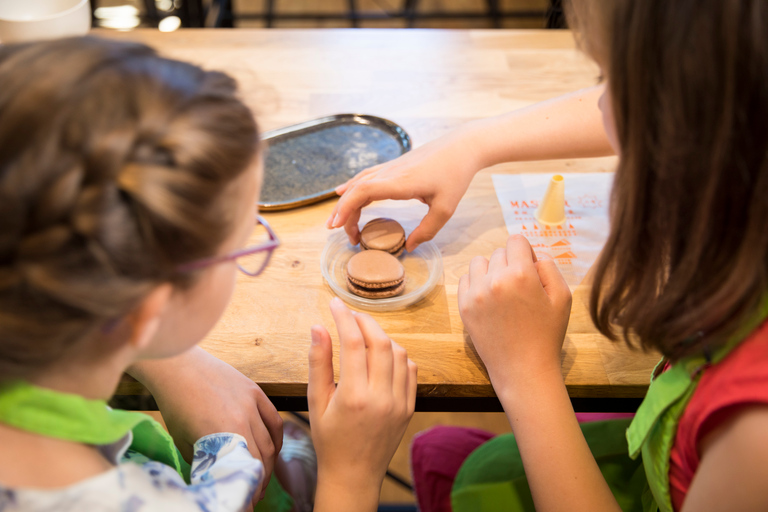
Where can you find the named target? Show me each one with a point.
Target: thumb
(552, 280)
(320, 384)
(432, 222)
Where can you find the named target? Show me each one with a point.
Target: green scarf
(74, 418)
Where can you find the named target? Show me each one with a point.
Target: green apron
(654, 427)
(492, 478)
(74, 418)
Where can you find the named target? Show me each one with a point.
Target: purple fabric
(436, 456)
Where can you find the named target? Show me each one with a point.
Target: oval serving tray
(305, 162)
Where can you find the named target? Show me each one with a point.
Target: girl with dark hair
(684, 271)
(128, 190)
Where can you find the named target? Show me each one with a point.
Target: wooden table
(428, 81)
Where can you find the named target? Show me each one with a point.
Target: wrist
(472, 137)
(358, 475)
(340, 492)
(531, 384)
(483, 143)
(151, 372)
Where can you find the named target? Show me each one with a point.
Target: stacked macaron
(383, 235)
(375, 275)
(375, 272)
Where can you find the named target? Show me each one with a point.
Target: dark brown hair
(115, 166)
(686, 261)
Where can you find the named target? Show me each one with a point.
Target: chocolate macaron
(383, 235)
(375, 274)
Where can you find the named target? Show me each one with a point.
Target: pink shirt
(739, 380)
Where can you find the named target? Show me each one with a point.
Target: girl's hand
(437, 174)
(357, 425)
(516, 310)
(198, 394)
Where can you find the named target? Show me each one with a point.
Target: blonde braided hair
(114, 166)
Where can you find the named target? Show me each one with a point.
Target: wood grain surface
(428, 81)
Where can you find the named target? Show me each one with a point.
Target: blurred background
(169, 15)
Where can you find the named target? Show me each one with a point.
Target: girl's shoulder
(740, 380)
(224, 478)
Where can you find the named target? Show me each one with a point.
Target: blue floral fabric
(224, 478)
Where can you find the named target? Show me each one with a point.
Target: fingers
(403, 381)
(267, 434)
(263, 447)
(463, 293)
(389, 371)
(341, 189)
(412, 385)
(478, 268)
(364, 193)
(429, 226)
(271, 419)
(379, 353)
(357, 177)
(320, 384)
(253, 448)
(498, 260)
(353, 366)
(519, 252)
(352, 228)
(263, 492)
(553, 281)
(400, 374)
(518, 247)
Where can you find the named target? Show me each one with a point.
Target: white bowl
(31, 20)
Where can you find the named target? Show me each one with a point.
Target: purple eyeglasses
(251, 260)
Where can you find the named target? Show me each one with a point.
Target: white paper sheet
(574, 245)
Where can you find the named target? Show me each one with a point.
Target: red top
(739, 380)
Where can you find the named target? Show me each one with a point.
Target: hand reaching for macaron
(437, 174)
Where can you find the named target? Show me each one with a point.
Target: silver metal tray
(305, 162)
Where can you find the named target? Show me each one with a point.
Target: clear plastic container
(423, 270)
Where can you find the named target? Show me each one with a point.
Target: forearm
(335, 496)
(568, 126)
(561, 471)
(152, 372)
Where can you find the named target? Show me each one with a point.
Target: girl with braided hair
(128, 185)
